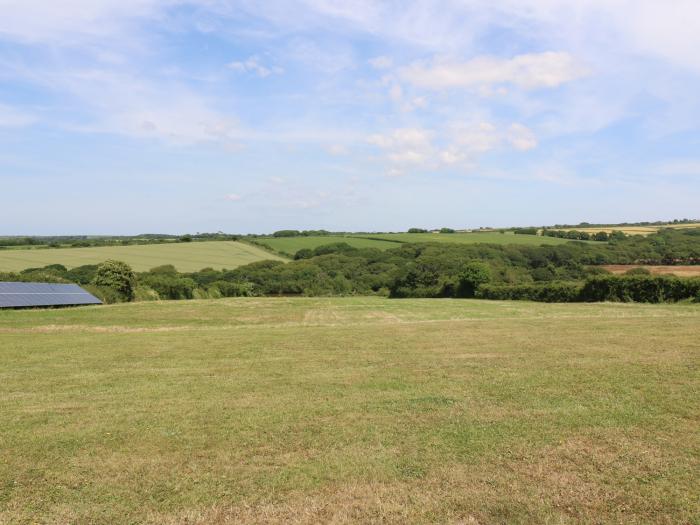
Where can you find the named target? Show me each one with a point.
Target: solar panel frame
(28, 295)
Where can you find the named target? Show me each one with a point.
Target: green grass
(291, 245)
(186, 257)
(385, 241)
(470, 238)
(361, 410)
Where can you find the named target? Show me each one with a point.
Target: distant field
(350, 410)
(680, 271)
(291, 245)
(632, 230)
(186, 257)
(470, 238)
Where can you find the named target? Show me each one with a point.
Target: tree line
(562, 273)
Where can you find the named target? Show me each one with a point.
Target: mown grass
(186, 257)
(350, 410)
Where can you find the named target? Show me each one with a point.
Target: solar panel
(22, 295)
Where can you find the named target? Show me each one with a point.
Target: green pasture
(186, 257)
(291, 245)
(469, 238)
(350, 410)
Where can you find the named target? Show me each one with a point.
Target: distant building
(28, 295)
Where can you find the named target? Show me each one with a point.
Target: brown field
(631, 230)
(680, 271)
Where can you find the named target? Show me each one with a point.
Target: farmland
(291, 245)
(632, 230)
(678, 270)
(470, 238)
(350, 410)
(185, 257)
(384, 241)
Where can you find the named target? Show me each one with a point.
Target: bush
(552, 292)
(473, 275)
(233, 289)
(118, 276)
(640, 288)
(105, 294)
(170, 286)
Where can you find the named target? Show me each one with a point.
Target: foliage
(552, 292)
(118, 276)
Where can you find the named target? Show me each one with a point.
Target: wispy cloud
(253, 65)
(12, 117)
(529, 71)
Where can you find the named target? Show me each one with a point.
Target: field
(470, 238)
(631, 230)
(291, 245)
(186, 257)
(680, 271)
(384, 241)
(360, 410)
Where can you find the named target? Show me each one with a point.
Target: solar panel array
(23, 295)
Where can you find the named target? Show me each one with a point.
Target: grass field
(186, 257)
(360, 410)
(470, 238)
(291, 245)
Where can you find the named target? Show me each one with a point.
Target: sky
(174, 116)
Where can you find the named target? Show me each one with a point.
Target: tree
(118, 276)
(471, 277)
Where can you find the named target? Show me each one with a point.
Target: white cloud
(530, 71)
(521, 137)
(381, 62)
(11, 117)
(73, 21)
(337, 149)
(233, 197)
(406, 145)
(458, 143)
(252, 65)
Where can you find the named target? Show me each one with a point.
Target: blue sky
(129, 116)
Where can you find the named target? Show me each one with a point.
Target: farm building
(28, 295)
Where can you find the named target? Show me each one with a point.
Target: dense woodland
(567, 272)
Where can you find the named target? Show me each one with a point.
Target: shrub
(640, 288)
(233, 289)
(170, 286)
(105, 294)
(473, 275)
(118, 276)
(551, 292)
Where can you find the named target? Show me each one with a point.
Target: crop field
(679, 270)
(186, 257)
(291, 245)
(362, 410)
(632, 230)
(470, 238)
